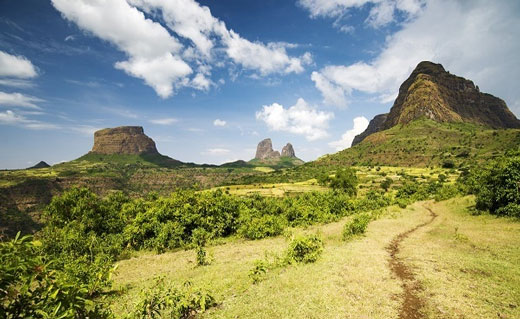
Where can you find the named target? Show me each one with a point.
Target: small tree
(386, 183)
(345, 180)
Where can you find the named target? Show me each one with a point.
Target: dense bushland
(85, 234)
(496, 185)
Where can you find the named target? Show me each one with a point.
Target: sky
(208, 80)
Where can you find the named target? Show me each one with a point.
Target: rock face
(123, 140)
(264, 150)
(288, 150)
(375, 125)
(434, 93)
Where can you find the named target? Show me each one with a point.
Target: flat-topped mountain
(432, 92)
(123, 140)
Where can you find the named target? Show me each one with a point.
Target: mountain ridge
(432, 92)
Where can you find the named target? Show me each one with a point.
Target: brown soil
(412, 303)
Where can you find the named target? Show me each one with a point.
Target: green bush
(33, 286)
(356, 226)
(163, 301)
(258, 272)
(497, 186)
(345, 180)
(261, 227)
(305, 249)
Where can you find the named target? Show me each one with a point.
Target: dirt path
(412, 303)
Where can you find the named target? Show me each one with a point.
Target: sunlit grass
(472, 275)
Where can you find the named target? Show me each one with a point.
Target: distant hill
(41, 164)
(432, 92)
(266, 156)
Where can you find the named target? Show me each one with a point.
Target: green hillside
(424, 142)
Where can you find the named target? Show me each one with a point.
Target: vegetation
(426, 143)
(166, 301)
(497, 185)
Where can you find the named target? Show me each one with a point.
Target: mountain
(266, 156)
(41, 164)
(375, 125)
(432, 92)
(438, 119)
(127, 145)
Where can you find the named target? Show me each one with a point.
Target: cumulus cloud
(190, 20)
(153, 54)
(164, 121)
(476, 39)
(19, 100)
(11, 118)
(298, 119)
(219, 122)
(157, 57)
(360, 125)
(16, 66)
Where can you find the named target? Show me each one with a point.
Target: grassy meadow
(467, 266)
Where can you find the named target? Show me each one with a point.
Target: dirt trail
(412, 303)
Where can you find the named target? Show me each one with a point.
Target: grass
(470, 275)
(424, 143)
(469, 265)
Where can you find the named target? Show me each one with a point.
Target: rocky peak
(375, 125)
(264, 150)
(123, 140)
(432, 92)
(288, 150)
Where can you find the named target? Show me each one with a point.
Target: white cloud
(360, 125)
(158, 58)
(16, 66)
(17, 83)
(216, 151)
(164, 121)
(153, 53)
(219, 122)
(11, 118)
(382, 12)
(201, 82)
(19, 100)
(190, 20)
(476, 39)
(86, 130)
(298, 119)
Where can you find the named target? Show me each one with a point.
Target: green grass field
(467, 267)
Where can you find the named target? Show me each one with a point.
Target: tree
(345, 180)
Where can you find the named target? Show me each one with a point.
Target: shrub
(32, 286)
(258, 272)
(386, 183)
(499, 191)
(261, 227)
(356, 226)
(162, 301)
(345, 180)
(305, 249)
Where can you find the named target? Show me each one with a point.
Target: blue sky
(209, 79)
